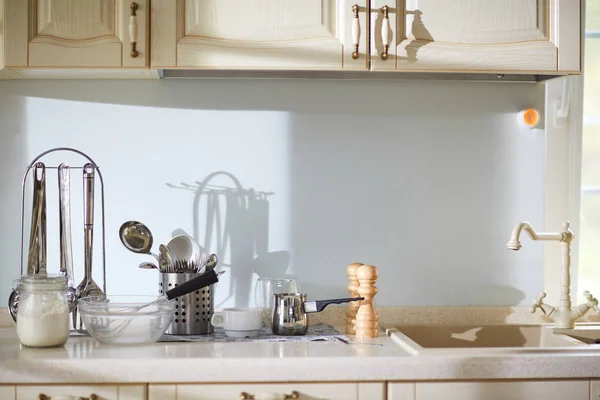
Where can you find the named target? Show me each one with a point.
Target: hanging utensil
(43, 235)
(66, 248)
(33, 258)
(87, 287)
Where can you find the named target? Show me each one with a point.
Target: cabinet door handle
(355, 31)
(133, 29)
(292, 396)
(385, 32)
(42, 396)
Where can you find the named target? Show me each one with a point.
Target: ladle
(136, 237)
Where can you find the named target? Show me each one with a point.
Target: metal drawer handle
(292, 396)
(385, 32)
(355, 31)
(133, 29)
(42, 396)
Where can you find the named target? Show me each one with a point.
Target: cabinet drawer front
(325, 391)
(125, 392)
(540, 390)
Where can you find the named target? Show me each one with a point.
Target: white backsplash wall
(423, 179)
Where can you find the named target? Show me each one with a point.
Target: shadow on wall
(422, 179)
(419, 32)
(233, 222)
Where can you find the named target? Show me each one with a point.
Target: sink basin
(493, 338)
(589, 334)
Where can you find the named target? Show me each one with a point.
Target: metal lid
(41, 282)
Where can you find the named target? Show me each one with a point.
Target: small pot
(290, 312)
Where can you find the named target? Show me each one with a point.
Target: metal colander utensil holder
(193, 311)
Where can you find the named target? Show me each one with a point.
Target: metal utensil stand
(193, 310)
(97, 169)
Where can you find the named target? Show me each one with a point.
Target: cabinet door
(76, 33)
(122, 392)
(595, 390)
(259, 34)
(540, 390)
(401, 391)
(320, 391)
(1, 37)
(476, 35)
(7, 392)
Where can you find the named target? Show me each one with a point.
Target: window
(589, 245)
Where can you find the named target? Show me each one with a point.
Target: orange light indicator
(530, 117)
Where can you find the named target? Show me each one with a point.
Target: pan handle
(321, 304)
(197, 283)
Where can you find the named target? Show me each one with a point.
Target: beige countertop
(82, 360)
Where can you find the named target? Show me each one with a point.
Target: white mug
(239, 322)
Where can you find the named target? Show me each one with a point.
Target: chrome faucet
(564, 316)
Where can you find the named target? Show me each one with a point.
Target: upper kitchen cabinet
(3, 72)
(260, 34)
(1, 38)
(83, 34)
(540, 36)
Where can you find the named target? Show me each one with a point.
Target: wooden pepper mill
(367, 321)
(353, 306)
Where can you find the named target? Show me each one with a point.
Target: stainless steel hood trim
(351, 75)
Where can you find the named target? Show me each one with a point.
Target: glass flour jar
(43, 311)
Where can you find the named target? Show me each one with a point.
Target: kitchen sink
(493, 338)
(589, 334)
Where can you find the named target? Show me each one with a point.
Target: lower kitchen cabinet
(401, 391)
(76, 392)
(320, 391)
(7, 392)
(595, 390)
(535, 390)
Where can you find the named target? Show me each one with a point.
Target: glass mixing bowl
(116, 320)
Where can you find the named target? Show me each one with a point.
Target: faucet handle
(537, 303)
(591, 299)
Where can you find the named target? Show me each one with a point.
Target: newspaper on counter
(316, 333)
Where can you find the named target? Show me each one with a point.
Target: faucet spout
(515, 243)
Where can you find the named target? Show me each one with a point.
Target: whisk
(109, 332)
(197, 283)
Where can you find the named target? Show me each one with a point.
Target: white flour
(42, 319)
